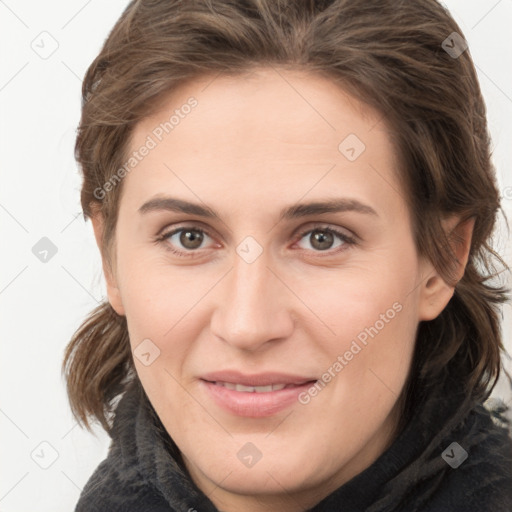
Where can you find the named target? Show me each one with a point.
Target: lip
(254, 404)
(257, 379)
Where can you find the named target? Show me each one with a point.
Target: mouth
(254, 389)
(254, 396)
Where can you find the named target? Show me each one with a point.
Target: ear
(113, 293)
(435, 293)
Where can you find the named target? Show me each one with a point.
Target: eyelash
(346, 239)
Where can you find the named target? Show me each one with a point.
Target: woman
(293, 202)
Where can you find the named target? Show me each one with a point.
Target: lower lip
(254, 405)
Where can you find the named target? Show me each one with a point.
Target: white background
(42, 304)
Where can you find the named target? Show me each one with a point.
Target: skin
(252, 146)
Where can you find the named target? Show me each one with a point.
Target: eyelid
(186, 224)
(166, 233)
(348, 240)
(328, 227)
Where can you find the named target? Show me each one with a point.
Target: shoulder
(119, 483)
(115, 487)
(478, 472)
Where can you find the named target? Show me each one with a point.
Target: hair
(386, 53)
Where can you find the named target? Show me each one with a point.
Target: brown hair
(389, 55)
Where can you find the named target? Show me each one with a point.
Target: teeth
(241, 387)
(252, 389)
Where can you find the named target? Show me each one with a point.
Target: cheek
(373, 317)
(362, 304)
(156, 295)
(165, 305)
(373, 342)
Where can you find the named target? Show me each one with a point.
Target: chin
(269, 475)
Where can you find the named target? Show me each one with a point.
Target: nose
(253, 308)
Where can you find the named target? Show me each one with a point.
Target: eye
(189, 238)
(322, 239)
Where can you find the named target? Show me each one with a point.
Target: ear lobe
(113, 293)
(435, 292)
(434, 296)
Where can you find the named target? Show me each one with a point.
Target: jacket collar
(413, 459)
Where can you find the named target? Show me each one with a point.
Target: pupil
(322, 239)
(191, 239)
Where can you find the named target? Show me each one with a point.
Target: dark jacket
(422, 470)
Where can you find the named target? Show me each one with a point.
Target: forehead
(268, 128)
(294, 105)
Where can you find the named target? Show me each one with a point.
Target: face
(272, 338)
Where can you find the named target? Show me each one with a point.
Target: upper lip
(257, 379)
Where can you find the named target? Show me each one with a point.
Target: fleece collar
(412, 475)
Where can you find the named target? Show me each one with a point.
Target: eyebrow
(288, 213)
